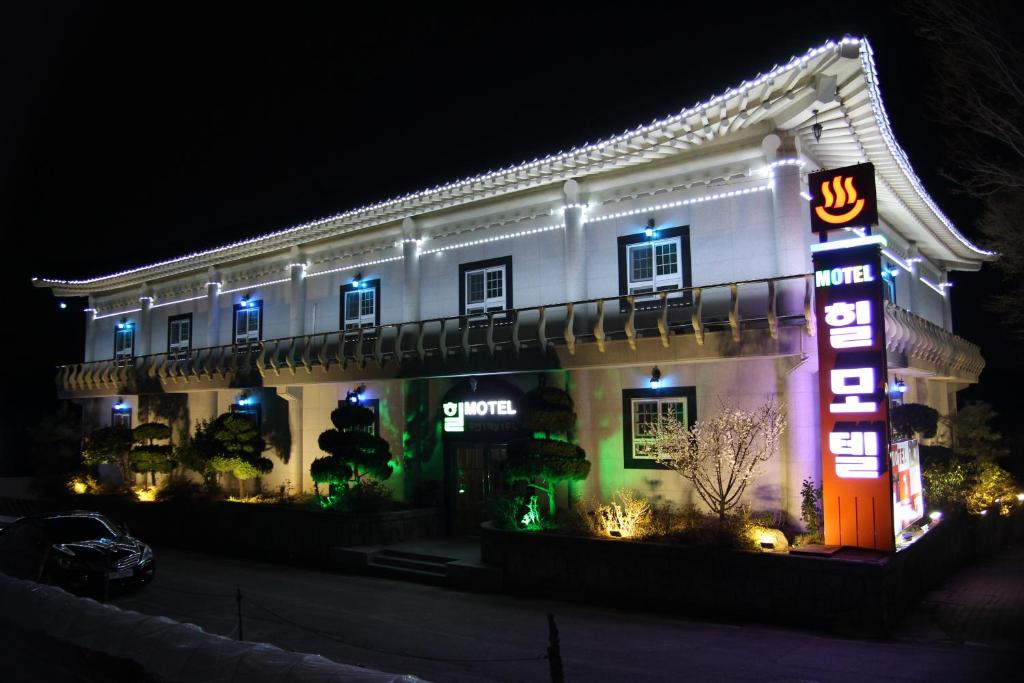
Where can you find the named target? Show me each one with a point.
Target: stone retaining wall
(845, 595)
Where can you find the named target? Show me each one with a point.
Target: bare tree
(720, 455)
(978, 94)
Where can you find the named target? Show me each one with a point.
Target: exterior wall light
(354, 396)
(121, 406)
(816, 128)
(649, 230)
(63, 305)
(655, 377)
(899, 387)
(357, 282)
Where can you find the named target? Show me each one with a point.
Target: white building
(707, 208)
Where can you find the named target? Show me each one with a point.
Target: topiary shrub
(543, 463)
(147, 456)
(914, 421)
(237, 448)
(355, 458)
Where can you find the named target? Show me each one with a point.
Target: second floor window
(654, 266)
(656, 263)
(360, 306)
(124, 342)
(179, 336)
(486, 286)
(248, 323)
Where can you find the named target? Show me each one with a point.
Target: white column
(947, 310)
(213, 304)
(90, 331)
(575, 244)
(791, 221)
(411, 265)
(297, 291)
(144, 334)
(914, 259)
(296, 466)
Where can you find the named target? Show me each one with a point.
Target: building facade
(664, 270)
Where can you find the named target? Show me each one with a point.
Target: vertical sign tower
(852, 369)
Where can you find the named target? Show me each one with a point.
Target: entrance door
(477, 477)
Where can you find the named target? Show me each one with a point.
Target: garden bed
(853, 592)
(285, 533)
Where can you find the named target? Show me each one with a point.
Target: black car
(79, 550)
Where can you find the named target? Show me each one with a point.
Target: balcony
(754, 318)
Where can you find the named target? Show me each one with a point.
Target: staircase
(425, 563)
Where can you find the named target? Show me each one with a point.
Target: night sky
(127, 136)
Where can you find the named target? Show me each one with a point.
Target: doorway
(476, 475)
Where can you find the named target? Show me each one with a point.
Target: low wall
(277, 533)
(845, 595)
(169, 650)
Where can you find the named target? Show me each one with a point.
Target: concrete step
(406, 561)
(419, 557)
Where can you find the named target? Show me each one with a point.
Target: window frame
(246, 345)
(631, 397)
(371, 286)
(123, 359)
(255, 410)
(487, 265)
(374, 405)
(684, 279)
(115, 414)
(171, 321)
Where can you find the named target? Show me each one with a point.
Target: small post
(554, 652)
(238, 599)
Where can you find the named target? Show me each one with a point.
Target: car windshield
(73, 529)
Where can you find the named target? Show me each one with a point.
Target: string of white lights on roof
(795, 62)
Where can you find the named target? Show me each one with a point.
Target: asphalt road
(446, 635)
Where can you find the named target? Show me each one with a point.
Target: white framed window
(248, 328)
(121, 418)
(124, 343)
(646, 413)
(485, 290)
(179, 336)
(654, 266)
(360, 308)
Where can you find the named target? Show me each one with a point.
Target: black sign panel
(843, 198)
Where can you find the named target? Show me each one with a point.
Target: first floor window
(372, 404)
(486, 286)
(121, 417)
(124, 343)
(248, 323)
(179, 336)
(643, 410)
(360, 305)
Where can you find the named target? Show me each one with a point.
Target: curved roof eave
(485, 185)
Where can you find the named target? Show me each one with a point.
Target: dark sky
(130, 135)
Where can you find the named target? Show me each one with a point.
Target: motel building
(668, 269)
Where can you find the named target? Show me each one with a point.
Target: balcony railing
(534, 333)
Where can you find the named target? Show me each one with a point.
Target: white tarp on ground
(170, 650)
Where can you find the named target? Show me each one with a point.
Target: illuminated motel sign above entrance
(857, 493)
(456, 412)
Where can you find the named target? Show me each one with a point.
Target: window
(179, 336)
(121, 417)
(250, 409)
(360, 306)
(486, 286)
(374, 405)
(124, 343)
(654, 264)
(641, 411)
(248, 324)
